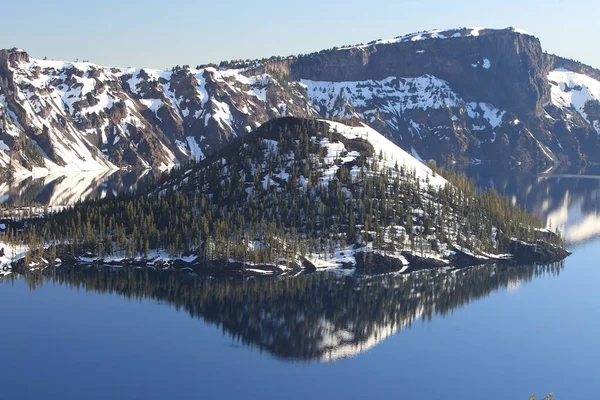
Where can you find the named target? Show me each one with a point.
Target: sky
(161, 34)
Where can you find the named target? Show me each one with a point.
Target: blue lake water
(493, 333)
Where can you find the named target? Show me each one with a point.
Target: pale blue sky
(163, 33)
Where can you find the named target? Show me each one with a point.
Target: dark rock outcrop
(537, 252)
(376, 263)
(517, 82)
(462, 258)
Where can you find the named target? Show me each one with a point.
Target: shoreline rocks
(522, 253)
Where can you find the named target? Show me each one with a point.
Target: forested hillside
(299, 193)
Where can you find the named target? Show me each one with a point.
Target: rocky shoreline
(520, 253)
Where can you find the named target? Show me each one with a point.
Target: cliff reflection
(569, 201)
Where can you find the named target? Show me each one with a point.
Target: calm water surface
(480, 333)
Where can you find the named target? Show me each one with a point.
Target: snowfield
(573, 90)
(392, 154)
(395, 101)
(401, 94)
(11, 253)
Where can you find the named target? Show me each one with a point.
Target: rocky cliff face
(515, 83)
(464, 95)
(60, 117)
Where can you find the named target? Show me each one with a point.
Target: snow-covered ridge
(87, 116)
(438, 34)
(574, 90)
(74, 152)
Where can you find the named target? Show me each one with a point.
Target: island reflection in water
(310, 317)
(321, 316)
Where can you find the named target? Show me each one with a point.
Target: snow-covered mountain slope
(398, 95)
(339, 145)
(462, 95)
(61, 116)
(392, 156)
(424, 115)
(571, 90)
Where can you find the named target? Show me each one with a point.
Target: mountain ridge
(58, 116)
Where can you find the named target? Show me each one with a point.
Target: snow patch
(196, 152)
(392, 154)
(435, 34)
(573, 90)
